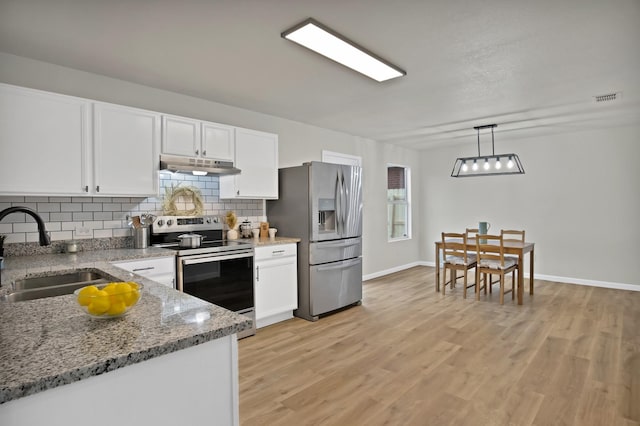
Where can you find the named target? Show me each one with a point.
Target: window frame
(407, 203)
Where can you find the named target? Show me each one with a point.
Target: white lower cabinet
(193, 386)
(276, 283)
(160, 269)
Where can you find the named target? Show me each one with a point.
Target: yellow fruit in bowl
(108, 300)
(117, 308)
(100, 303)
(132, 297)
(85, 295)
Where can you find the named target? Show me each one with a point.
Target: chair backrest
(512, 235)
(490, 247)
(471, 232)
(454, 244)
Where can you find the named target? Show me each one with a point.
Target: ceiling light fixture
(323, 40)
(491, 165)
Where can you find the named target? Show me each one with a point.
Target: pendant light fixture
(487, 165)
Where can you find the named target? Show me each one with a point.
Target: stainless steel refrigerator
(321, 203)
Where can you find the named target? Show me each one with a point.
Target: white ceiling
(526, 65)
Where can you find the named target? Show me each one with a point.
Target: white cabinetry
(161, 269)
(193, 386)
(125, 149)
(217, 141)
(49, 145)
(276, 283)
(256, 155)
(188, 137)
(44, 142)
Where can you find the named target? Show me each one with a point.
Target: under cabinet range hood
(196, 166)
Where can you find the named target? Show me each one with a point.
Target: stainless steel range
(216, 270)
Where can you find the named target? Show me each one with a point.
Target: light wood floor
(569, 356)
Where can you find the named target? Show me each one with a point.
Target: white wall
(579, 200)
(298, 142)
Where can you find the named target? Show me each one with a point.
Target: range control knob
(169, 222)
(208, 220)
(160, 222)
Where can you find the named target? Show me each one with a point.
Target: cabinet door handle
(257, 273)
(197, 151)
(148, 268)
(86, 188)
(204, 152)
(238, 192)
(98, 188)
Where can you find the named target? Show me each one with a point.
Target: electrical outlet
(82, 231)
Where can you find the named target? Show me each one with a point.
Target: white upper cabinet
(180, 136)
(188, 137)
(49, 145)
(44, 142)
(256, 155)
(126, 142)
(217, 141)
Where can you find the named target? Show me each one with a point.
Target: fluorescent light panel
(321, 39)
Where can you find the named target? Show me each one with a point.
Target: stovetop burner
(219, 244)
(165, 231)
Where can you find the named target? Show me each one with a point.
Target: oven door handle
(210, 259)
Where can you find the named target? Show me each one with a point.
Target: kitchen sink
(53, 285)
(54, 280)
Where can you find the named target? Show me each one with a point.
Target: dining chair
(492, 261)
(456, 258)
(471, 232)
(512, 235)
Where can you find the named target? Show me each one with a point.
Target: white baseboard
(566, 280)
(581, 281)
(283, 316)
(392, 270)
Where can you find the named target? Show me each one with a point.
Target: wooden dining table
(510, 247)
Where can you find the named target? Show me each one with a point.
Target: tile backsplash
(69, 218)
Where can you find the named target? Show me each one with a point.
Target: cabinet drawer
(275, 251)
(149, 267)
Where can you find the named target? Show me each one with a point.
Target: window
(398, 202)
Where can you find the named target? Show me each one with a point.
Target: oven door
(225, 280)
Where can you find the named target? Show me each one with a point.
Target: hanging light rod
(487, 165)
(323, 40)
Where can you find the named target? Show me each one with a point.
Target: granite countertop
(274, 241)
(49, 342)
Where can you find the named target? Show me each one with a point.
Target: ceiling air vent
(607, 98)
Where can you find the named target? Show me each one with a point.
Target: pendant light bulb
(464, 166)
(486, 164)
(510, 163)
(498, 164)
(475, 166)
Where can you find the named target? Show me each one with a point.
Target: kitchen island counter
(49, 342)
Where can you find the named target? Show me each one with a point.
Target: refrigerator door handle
(338, 198)
(343, 202)
(340, 265)
(341, 243)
